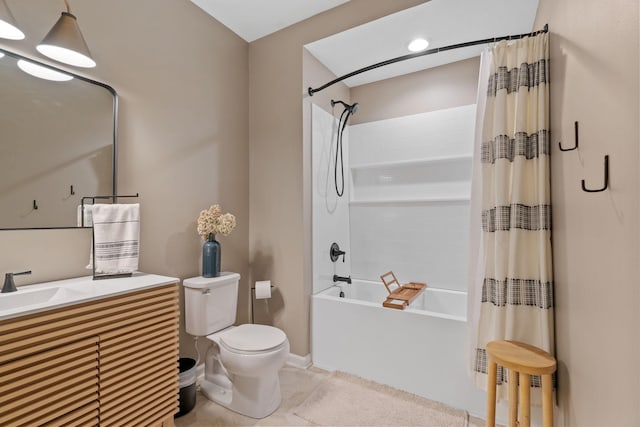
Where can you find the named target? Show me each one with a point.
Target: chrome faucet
(9, 284)
(337, 278)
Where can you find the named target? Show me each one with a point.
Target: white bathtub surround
(408, 212)
(421, 349)
(410, 197)
(517, 290)
(330, 212)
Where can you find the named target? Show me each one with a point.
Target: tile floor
(296, 384)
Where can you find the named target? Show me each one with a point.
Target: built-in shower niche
(431, 179)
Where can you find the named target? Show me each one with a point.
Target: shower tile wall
(330, 212)
(409, 205)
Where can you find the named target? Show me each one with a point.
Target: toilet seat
(250, 339)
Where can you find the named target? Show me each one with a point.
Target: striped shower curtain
(515, 287)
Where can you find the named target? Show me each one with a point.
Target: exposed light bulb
(418, 45)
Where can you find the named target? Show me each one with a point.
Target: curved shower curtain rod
(424, 53)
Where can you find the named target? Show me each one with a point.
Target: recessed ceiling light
(43, 72)
(418, 45)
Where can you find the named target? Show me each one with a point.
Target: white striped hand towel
(116, 234)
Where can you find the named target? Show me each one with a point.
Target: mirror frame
(114, 163)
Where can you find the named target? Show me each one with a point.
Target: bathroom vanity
(90, 353)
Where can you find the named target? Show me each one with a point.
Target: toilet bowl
(241, 369)
(242, 362)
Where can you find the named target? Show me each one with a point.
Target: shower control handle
(335, 252)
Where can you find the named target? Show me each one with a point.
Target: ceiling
(253, 19)
(441, 22)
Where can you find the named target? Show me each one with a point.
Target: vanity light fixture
(65, 43)
(8, 28)
(43, 72)
(418, 45)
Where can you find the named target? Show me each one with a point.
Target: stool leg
(513, 398)
(491, 393)
(547, 401)
(525, 409)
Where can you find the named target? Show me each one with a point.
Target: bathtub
(421, 349)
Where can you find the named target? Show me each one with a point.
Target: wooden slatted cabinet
(110, 362)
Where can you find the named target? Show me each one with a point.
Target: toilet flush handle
(206, 291)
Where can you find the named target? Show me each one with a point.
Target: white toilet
(242, 363)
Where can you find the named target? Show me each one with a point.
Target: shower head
(352, 108)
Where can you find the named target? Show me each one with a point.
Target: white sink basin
(46, 296)
(24, 298)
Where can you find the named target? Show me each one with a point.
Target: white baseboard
(302, 362)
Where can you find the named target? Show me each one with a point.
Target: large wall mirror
(58, 145)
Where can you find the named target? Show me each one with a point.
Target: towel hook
(72, 191)
(575, 125)
(606, 178)
(35, 205)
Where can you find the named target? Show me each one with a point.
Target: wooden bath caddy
(400, 296)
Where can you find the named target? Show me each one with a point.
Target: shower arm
(344, 104)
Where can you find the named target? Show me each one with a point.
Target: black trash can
(187, 383)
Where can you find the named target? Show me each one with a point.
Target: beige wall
(438, 88)
(277, 240)
(594, 80)
(183, 134)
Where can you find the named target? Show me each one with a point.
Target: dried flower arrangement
(213, 221)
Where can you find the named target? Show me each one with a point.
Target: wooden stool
(522, 360)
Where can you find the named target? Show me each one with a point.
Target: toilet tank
(210, 303)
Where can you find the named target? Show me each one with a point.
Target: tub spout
(337, 278)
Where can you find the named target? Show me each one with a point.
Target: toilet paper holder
(253, 295)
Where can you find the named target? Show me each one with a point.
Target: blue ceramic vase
(211, 257)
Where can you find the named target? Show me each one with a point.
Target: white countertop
(49, 295)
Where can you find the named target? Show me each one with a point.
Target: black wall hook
(72, 191)
(576, 143)
(606, 178)
(35, 205)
